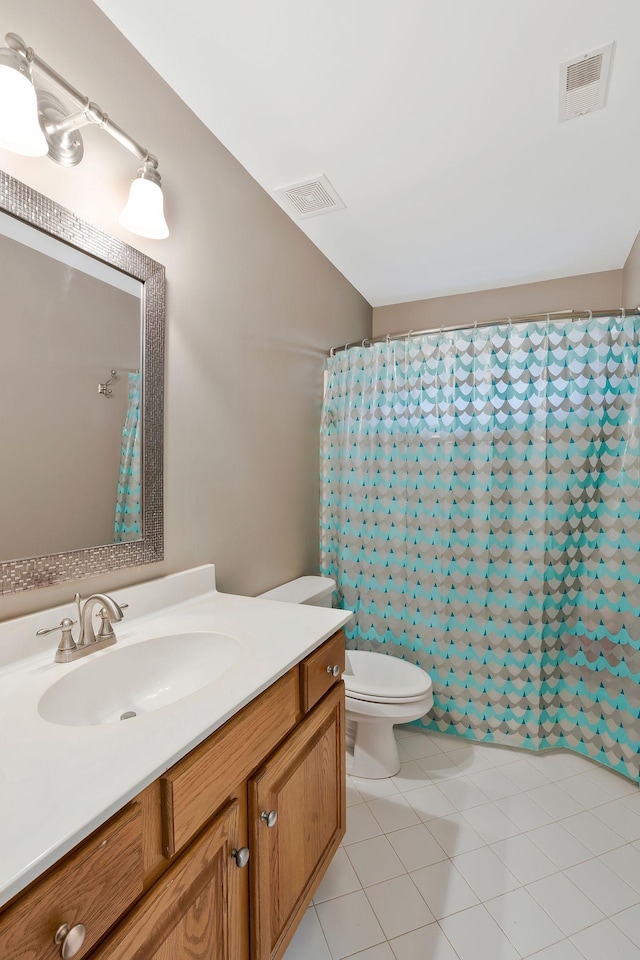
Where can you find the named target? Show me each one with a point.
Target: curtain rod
(523, 318)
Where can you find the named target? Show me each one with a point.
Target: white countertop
(58, 783)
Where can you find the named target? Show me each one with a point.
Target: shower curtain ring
(365, 343)
(332, 352)
(409, 335)
(590, 312)
(622, 313)
(388, 338)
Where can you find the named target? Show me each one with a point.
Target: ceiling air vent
(311, 198)
(584, 82)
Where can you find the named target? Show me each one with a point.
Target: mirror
(82, 394)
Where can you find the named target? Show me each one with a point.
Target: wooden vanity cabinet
(303, 784)
(162, 881)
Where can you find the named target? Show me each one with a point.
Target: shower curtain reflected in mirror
(481, 515)
(128, 524)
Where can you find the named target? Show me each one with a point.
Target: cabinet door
(304, 783)
(194, 912)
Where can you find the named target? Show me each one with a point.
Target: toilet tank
(314, 591)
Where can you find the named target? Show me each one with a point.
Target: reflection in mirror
(82, 396)
(71, 451)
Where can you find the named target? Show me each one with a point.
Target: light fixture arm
(88, 112)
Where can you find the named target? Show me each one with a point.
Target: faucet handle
(67, 645)
(65, 624)
(105, 631)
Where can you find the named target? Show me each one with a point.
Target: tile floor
(479, 852)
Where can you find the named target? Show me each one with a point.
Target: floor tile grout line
(522, 956)
(399, 795)
(559, 821)
(559, 871)
(324, 936)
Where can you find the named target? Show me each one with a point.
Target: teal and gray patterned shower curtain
(128, 518)
(481, 515)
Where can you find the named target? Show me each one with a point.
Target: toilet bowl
(381, 691)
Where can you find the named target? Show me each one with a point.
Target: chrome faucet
(68, 649)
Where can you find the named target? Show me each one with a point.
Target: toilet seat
(399, 700)
(401, 710)
(377, 678)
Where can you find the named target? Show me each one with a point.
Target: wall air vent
(584, 82)
(310, 198)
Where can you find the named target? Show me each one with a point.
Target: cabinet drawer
(94, 886)
(316, 671)
(196, 787)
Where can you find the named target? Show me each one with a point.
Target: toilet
(381, 691)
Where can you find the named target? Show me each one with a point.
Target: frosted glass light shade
(19, 127)
(144, 212)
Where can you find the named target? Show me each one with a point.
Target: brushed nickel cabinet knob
(269, 818)
(334, 670)
(241, 856)
(70, 939)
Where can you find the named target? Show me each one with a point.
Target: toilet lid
(376, 676)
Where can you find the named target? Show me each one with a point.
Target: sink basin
(138, 679)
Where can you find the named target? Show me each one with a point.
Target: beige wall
(631, 276)
(252, 308)
(592, 291)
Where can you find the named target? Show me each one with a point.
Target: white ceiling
(436, 122)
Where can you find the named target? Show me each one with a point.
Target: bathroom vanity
(219, 851)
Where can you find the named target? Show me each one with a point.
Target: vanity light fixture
(19, 127)
(34, 123)
(144, 213)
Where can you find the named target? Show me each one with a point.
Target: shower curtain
(128, 517)
(480, 511)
